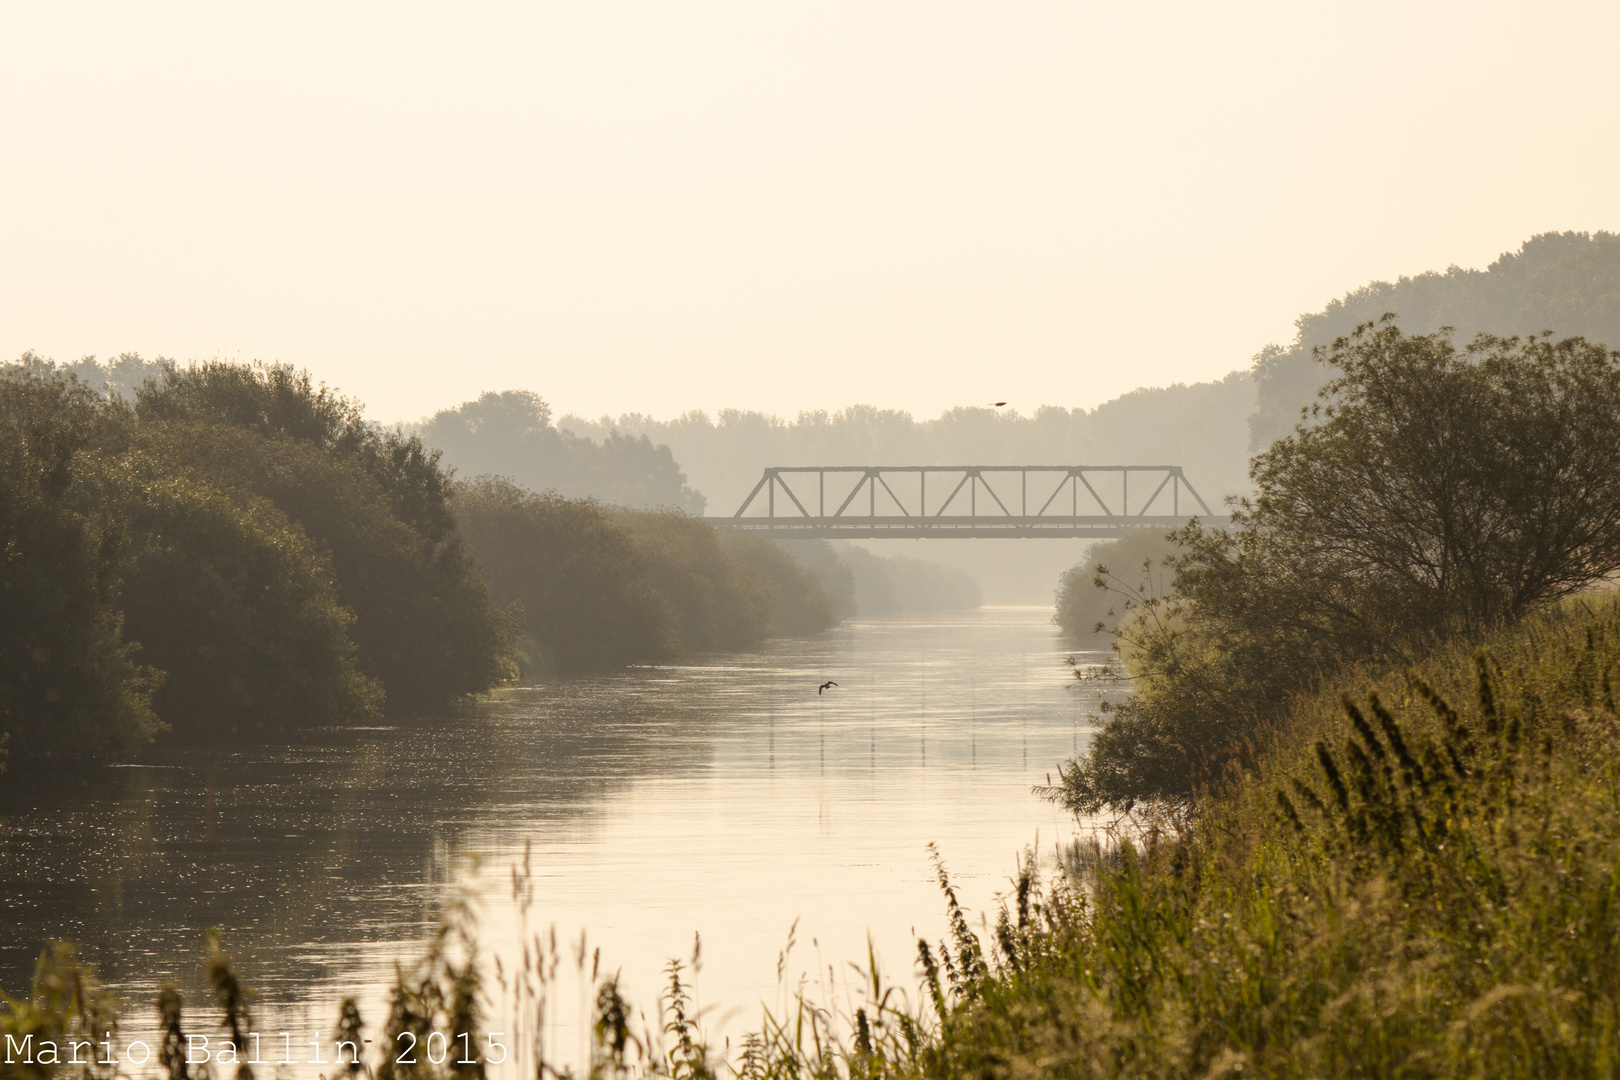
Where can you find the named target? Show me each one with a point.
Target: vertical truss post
(1175, 495)
(1125, 492)
(773, 495)
(973, 497)
(1074, 491)
(871, 489)
(922, 492)
(1023, 507)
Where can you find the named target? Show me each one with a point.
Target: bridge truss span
(967, 501)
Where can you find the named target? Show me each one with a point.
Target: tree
(510, 434)
(236, 606)
(70, 685)
(572, 572)
(1430, 489)
(797, 596)
(377, 500)
(1570, 280)
(1434, 485)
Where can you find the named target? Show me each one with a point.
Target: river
(725, 798)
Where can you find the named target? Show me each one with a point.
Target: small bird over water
(822, 689)
(998, 404)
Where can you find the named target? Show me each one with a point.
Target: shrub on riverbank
(572, 572)
(236, 605)
(599, 587)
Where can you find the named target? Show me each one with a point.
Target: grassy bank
(1415, 875)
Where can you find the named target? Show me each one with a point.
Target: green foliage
(713, 602)
(1431, 489)
(66, 1005)
(1404, 885)
(598, 587)
(796, 597)
(573, 572)
(510, 434)
(69, 681)
(833, 572)
(1568, 282)
(236, 605)
(378, 502)
(1091, 594)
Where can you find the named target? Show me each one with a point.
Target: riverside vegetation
(237, 549)
(1364, 796)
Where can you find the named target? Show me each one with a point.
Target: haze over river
(724, 798)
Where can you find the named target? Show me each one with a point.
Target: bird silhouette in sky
(822, 689)
(998, 404)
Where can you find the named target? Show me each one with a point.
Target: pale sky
(657, 207)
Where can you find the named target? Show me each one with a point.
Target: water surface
(724, 798)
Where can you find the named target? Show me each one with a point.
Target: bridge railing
(967, 500)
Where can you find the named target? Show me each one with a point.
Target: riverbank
(1415, 876)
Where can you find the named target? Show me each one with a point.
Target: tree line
(231, 549)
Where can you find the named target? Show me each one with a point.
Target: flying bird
(998, 404)
(822, 689)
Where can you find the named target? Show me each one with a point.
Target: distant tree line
(225, 549)
(1202, 427)
(1569, 281)
(510, 434)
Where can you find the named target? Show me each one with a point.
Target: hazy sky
(774, 205)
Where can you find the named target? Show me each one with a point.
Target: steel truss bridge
(966, 501)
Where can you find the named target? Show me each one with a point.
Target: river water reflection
(725, 798)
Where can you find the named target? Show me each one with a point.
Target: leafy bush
(377, 501)
(797, 596)
(598, 587)
(574, 574)
(236, 605)
(713, 601)
(832, 572)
